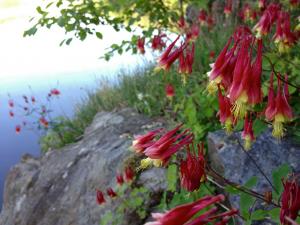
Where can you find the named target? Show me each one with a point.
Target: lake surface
(33, 66)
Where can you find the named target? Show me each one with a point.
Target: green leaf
(246, 202)
(172, 178)
(232, 190)
(251, 182)
(258, 127)
(99, 35)
(275, 214)
(259, 214)
(281, 172)
(69, 41)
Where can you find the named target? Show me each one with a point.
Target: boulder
(59, 187)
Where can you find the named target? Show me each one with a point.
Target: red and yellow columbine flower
(294, 3)
(284, 38)
(141, 142)
(161, 151)
(120, 179)
(269, 16)
(290, 201)
(228, 8)
(278, 109)
(18, 129)
(192, 169)
(226, 117)
(11, 103)
(141, 45)
(202, 17)
(158, 43)
(11, 113)
(186, 61)
(168, 57)
(111, 193)
(248, 134)
(193, 33)
(170, 92)
(100, 197)
(184, 214)
(128, 174)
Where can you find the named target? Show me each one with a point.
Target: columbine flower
(294, 3)
(11, 113)
(44, 122)
(111, 193)
(11, 103)
(161, 151)
(202, 17)
(269, 16)
(170, 92)
(141, 45)
(192, 169)
(128, 174)
(262, 4)
(141, 142)
(284, 38)
(100, 197)
(248, 134)
(32, 99)
(211, 55)
(18, 129)
(168, 57)
(186, 62)
(181, 23)
(278, 109)
(193, 33)
(54, 91)
(290, 201)
(158, 43)
(183, 214)
(228, 8)
(120, 179)
(226, 117)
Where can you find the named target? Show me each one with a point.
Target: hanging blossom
(170, 91)
(266, 21)
(141, 142)
(100, 197)
(248, 134)
(18, 129)
(290, 201)
(111, 193)
(284, 38)
(228, 8)
(278, 109)
(119, 179)
(141, 45)
(11, 103)
(184, 214)
(128, 174)
(168, 144)
(186, 61)
(225, 115)
(202, 17)
(192, 169)
(157, 42)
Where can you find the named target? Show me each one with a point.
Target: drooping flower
(278, 109)
(161, 151)
(141, 142)
(190, 52)
(210, 22)
(181, 23)
(168, 57)
(192, 169)
(33, 99)
(247, 133)
(211, 55)
(184, 214)
(11, 103)
(11, 113)
(128, 174)
(54, 91)
(157, 42)
(100, 197)
(111, 193)
(284, 38)
(228, 8)
(290, 201)
(294, 3)
(226, 117)
(269, 16)
(170, 92)
(202, 17)
(193, 33)
(18, 129)
(44, 122)
(120, 179)
(141, 45)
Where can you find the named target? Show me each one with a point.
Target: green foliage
(172, 178)
(277, 175)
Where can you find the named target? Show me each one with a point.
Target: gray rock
(228, 158)
(59, 188)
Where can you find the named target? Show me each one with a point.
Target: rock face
(229, 159)
(59, 188)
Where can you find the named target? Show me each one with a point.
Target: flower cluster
(127, 176)
(158, 146)
(185, 214)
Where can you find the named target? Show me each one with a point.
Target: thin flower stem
(256, 165)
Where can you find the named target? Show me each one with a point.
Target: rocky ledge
(59, 187)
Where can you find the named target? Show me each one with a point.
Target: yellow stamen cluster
(228, 126)
(145, 163)
(212, 86)
(239, 108)
(247, 142)
(278, 129)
